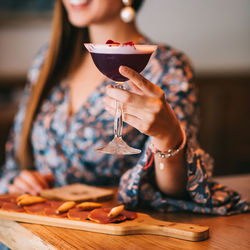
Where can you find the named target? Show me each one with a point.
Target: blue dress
(65, 145)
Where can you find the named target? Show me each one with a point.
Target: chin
(78, 22)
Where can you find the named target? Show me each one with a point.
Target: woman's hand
(146, 109)
(31, 182)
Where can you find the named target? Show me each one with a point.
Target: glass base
(119, 147)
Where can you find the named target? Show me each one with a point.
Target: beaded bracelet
(170, 152)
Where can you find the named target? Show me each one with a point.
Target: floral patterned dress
(65, 145)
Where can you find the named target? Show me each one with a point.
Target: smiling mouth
(78, 3)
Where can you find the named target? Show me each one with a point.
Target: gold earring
(127, 13)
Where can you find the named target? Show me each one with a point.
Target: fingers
(145, 108)
(23, 187)
(42, 181)
(141, 123)
(134, 88)
(30, 178)
(31, 182)
(142, 105)
(12, 189)
(110, 105)
(141, 83)
(124, 96)
(130, 119)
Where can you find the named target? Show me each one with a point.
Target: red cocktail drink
(109, 64)
(108, 58)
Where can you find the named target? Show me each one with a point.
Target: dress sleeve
(138, 187)
(10, 169)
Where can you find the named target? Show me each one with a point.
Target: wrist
(172, 150)
(170, 140)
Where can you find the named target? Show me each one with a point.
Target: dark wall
(225, 119)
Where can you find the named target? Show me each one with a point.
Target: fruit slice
(112, 43)
(128, 44)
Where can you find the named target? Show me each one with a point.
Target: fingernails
(123, 69)
(109, 86)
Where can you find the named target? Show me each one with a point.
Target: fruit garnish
(128, 44)
(112, 43)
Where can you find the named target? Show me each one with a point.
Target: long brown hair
(65, 47)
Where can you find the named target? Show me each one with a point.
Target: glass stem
(118, 122)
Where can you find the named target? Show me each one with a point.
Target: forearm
(171, 174)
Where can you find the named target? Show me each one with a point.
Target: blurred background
(214, 34)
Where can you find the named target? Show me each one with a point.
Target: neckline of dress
(66, 88)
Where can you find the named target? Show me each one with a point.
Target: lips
(79, 2)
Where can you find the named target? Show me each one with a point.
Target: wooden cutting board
(77, 192)
(143, 224)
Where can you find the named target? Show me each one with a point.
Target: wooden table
(232, 232)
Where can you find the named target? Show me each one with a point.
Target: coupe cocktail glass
(108, 58)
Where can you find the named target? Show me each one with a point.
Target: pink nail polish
(124, 69)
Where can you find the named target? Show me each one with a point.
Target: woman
(63, 117)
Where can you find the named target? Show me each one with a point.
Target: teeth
(78, 2)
